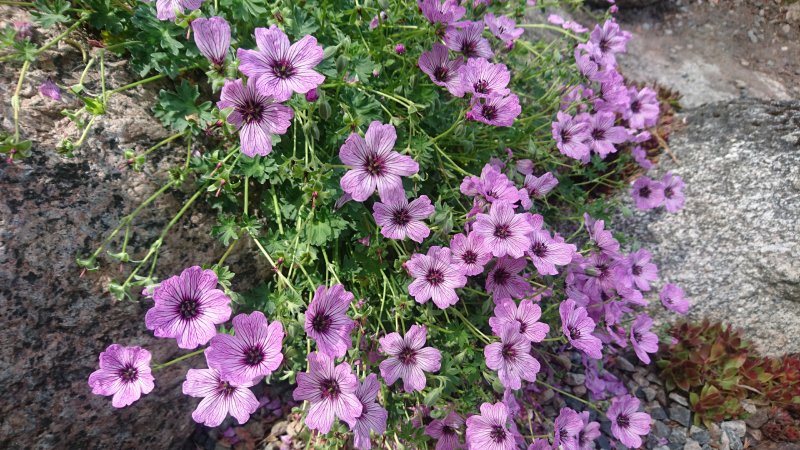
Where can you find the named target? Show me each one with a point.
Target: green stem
(225, 255)
(478, 333)
(269, 259)
(136, 83)
(178, 359)
(85, 132)
(55, 40)
(163, 143)
(246, 192)
(277, 210)
(15, 98)
(545, 26)
(589, 404)
(9, 3)
(447, 131)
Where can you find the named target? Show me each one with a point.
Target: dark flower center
(441, 73)
(253, 356)
(636, 270)
(469, 257)
(489, 112)
(645, 192)
(574, 332)
(225, 388)
(321, 323)
(501, 276)
(481, 87)
(508, 352)
(539, 249)
(623, 421)
(468, 49)
(283, 69)
(251, 111)
(189, 308)
(635, 106)
(401, 217)
(129, 373)
(566, 135)
(374, 165)
(668, 192)
(434, 277)
(604, 45)
(329, 389)
(502, 231)
(448, 430)
(522, 327)
(498, 434)
(598, 134)
(637, 336)
(407, 356)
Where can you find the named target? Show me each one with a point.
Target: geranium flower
(640, 156)
(489, 429)
(408, 359)
(503, 27)
(257, 116)
(643, 109)
(673, 298)
(373, 416)
(492, 186)
(673, 192)
(331, 390)
(373, 163)
(571, 136)
(627, 424)
(527, 315)
(511, 357)
(50, 90)
(441, 69)
(444, 12)
(643, 340)
(435, 277)
(254, 352)
(603, 135)
(213, 38)
(566, 428)
(282, 68)
(505, 232)
(167, 9)
(647, 194)
(220, 397)
(578, 328)
(445, 431)
(538, 187)
(589, 432)
(400, 219)
(469, 253)
(641, 270)
(124, 373)
(546, 253)
(496, 110)
(326, 320)
(504, 281)
(468, 40)
(481, 78)
(610, 39)
(601, 237)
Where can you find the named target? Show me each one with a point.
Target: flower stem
(589, 404)
(178, 359)
(545, 26)
(163, 142)
(15, 98)
(275, 266)
(55, 40)
(478, 333)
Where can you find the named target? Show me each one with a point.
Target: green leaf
(432, 396)
(176, 109)
(49, 13)
(227, 229)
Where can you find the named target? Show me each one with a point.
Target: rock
(702, 249)
(576, 379)
(679, 399)
(735, 442)
(691, 444)
(737, 427)
(793, 13)
(680, 414)
(755, 435)
(751, 34)
(625, 365)
(656, 412)
(748, 406)
(701, 435)
(546, 396)
(640, 379)
(649, 394)
(757, 419)
(678, 436)
(580, 391)
(279, 428)
(714, 431)
(660, 429)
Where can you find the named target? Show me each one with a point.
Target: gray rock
(737, 427)
(660, 429)
(576, 379)
(623, 364)
(678, 436)
(691, 444)
(699, 434)
(678, 398)
(649, 394)
(580, 391)
(656, 412)
(680, 414)
(734, 246)
(757, 419)
(734, 439)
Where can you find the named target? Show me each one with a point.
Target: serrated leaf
(175, 107)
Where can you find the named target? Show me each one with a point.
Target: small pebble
(680, 414)
(678, 398)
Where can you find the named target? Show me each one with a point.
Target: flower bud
(312, 95)
(400, 49)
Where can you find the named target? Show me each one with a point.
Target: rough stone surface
(734, 247)
(680, 414)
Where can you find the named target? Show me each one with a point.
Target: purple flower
(468, 41)
(445, 12)
(640, 156)
(524, 166)
(627, 424)
(444, 431)
(398, 218)
(527, 315)
(188, 307)
(547, 253)
(253, 353)
(50, 90)
(408, 358)
(489, 430)
(505, 232)
(538, 187)
(373, 163)
(168, 9)
(641, 270)
(281, 68)
(643, 340)
(373, 416)
(566, 24)
(124, 373)
(571, 136)
(578, 328)
(647, 194)
(492, 186)
(674, 299)
(400, 49)
(642, 111)
(609, 39)
(441, 70)
(481, 78)
(504, 281)
(23, 29)
(496, 110)
(312, 95)
(511, 357)
(566, 428)
(331, 390)
(326, 320)
(673, 192)
(540, 444)
(603, 134)
(503, 27)
(213, 38)
(601, 237)
(469, 253)
(220, 397)
(589, 432)
(591, 63)
(435, 277)
(257, 116)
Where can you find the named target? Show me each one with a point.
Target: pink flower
(504, 281)
(603, 135)
(124, 373)
(408, 358)
(547, 253)
(444, 431)
(373, 163)
(610, 39)
(505, 232)
(527, 315)
(441, 70)
(326, 320)
(643, 340)
(627, 424)
(643, 109)
(50, 90)
(489, 430)
(254, 352)
(571, 136)
(468, 40)
(496, 110)
(538, 187)
(445, 12)
(511, 357)
(588, 434)
(641, 270)
(555, 19)
(220, 397)
(469, 253)
(647, 194)
(435, 277)
(673, 192)
(400, 219)
(373, 416)
(331, 390)
(188, 307)
(503, 27)
(601, 237)
(674, 299)
(257, 116)
(213, 38)
(166, 9)
(566, 428)
(578, 328)
(481, 78)
(491, 186)
(282, 68)
(640, 156)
